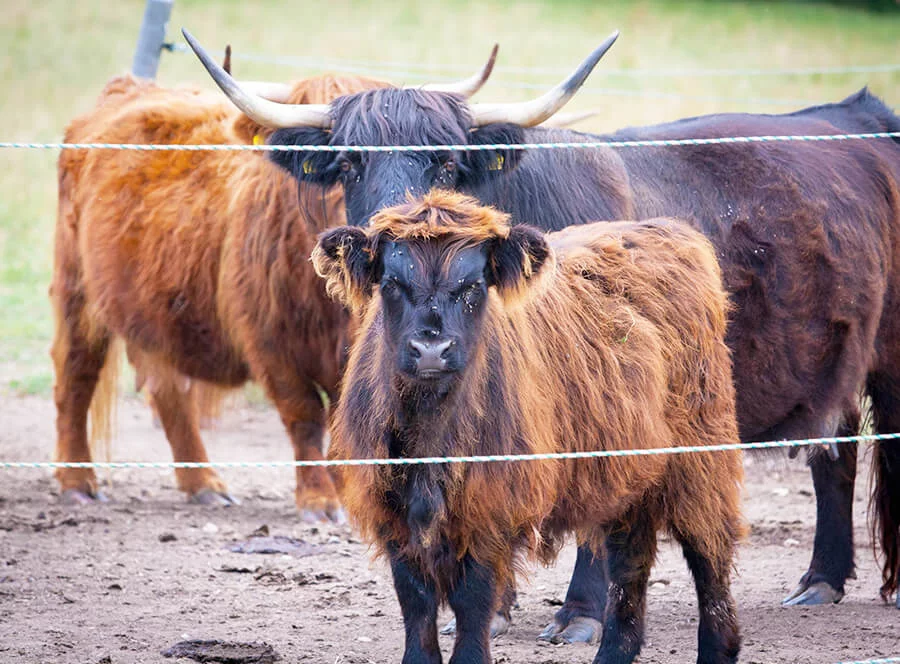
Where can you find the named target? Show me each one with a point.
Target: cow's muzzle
(431, 356)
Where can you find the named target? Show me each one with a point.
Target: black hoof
(580, 629)
(813, 595)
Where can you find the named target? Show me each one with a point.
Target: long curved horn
(562, 120)
(265, 112)
(277, 92)
(531, 113)
(468, 86)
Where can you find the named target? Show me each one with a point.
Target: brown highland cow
(199, 262)
(482, 338)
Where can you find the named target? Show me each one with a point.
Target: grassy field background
(57, 54)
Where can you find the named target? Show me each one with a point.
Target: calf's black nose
(429, 355)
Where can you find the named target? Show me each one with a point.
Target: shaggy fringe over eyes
(518, 255)
(347, 257)
(441, 213)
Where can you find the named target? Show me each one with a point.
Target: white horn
(277, 92)
(265, 112)
(531, 113)
(469, 86)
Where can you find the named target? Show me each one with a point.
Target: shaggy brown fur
(199, 262)
(612, 339)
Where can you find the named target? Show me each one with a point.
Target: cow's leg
(884, 389)
(580, 618)
(178, 412)
(418, 604)
(473, 601)
(502, 616)
(78, 361)
(303, 415)
(630, 551)
(832, 558)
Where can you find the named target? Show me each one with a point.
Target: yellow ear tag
(257, 140)
(308, 167)
(497, 165)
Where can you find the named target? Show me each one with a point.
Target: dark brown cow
(807, 235)
(481, 338)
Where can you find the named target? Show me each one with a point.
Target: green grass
(57, 55)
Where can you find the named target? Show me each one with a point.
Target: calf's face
(431, 271)
(434, 298)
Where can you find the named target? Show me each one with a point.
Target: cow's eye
(345, 165)
(466, 291)
(450, 165)
(393, 289)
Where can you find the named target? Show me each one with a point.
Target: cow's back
(637, 310)
(149, 226)
(805, 231)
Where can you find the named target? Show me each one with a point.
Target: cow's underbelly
(177, 324)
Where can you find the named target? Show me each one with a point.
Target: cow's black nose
(429, 355)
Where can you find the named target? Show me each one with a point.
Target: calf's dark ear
(517, 259)
(315, 167)
(346, 259)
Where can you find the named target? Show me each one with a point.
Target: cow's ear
(516, 260)
(481, 166)
(315, 167)
(346, 258)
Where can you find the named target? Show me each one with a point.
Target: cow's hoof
(335, 515)
(499, 626)
(580, 629)
(79, 497)
(213, 497)
(898, 600)
(817, 593)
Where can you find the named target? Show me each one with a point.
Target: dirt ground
(122, 581)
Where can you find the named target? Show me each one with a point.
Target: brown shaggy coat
(199, 262)
(614, 341)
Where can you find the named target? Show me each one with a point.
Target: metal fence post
(151, 37)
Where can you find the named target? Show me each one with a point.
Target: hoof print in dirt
(223, 652)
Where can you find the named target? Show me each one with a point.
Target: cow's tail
(210, 402)
(884, 512)
(103, 404)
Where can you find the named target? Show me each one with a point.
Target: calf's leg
(718, 636)
(630, 552)
(418, 604)
(500, 621)
(473, 600)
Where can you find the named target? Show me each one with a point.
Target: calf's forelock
(348, 258)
